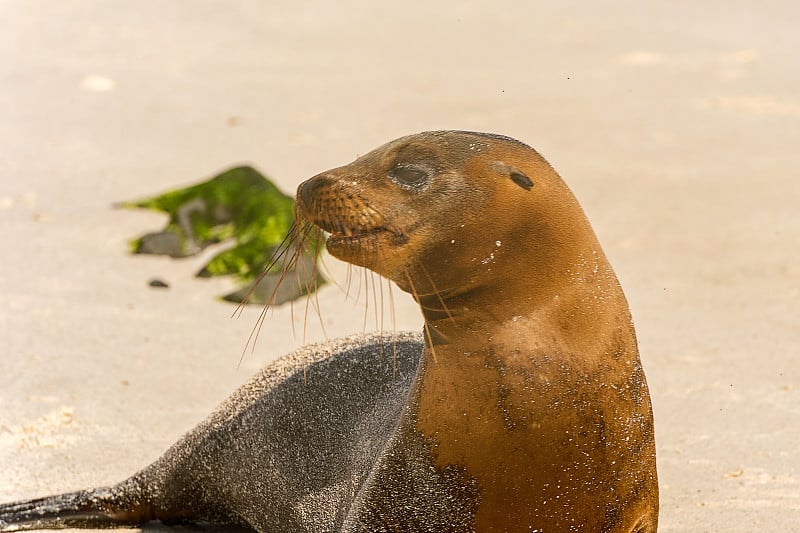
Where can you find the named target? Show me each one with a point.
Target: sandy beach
(677, 125)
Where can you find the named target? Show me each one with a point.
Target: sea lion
(524, 409)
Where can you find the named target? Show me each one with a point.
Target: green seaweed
(240, 205)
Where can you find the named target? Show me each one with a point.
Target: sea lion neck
(572, 298)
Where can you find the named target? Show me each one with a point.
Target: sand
(677, 125)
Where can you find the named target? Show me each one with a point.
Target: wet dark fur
(296, 449)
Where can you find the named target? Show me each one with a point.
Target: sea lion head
(448, 212)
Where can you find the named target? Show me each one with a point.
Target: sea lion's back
(292, 448)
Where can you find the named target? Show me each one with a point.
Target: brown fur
(532, 383)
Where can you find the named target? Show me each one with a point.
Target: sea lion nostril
(310, 189)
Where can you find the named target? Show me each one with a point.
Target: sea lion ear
(516, 175)
(521, 179)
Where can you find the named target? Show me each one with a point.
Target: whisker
(280, 254)
(302, 280)
(379, 323)
(366, 300)
(438, 294)
(315, 302)
(349, 280)
(374, 297)
(291, 311)
(289, 265)
(277, 255)
(253, 335)
(326, 272)
(358, 293)
(379, 253)
(291, 249)
(305, 317)
(416, 296)
(394, 327)
(308, 286)
(430, 342)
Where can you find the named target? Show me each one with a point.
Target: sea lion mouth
(355, 236)
(341, 236)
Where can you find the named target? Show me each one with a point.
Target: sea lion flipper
(97, 508)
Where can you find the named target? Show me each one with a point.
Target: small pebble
(158, 284)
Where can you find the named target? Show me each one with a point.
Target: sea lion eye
(408, 176)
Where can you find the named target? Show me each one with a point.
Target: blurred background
(676, 124)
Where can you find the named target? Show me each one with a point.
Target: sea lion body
(289, 451)
(528, 410)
